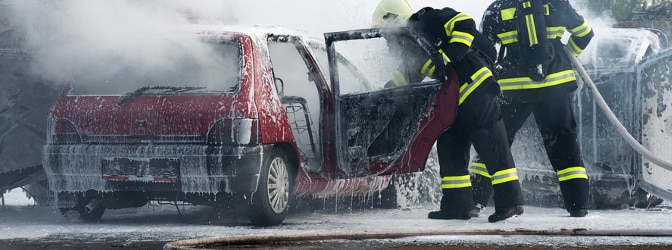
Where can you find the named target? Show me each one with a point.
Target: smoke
(595, 19)
(103, 37)
(74, 36)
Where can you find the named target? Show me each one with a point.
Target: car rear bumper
(198, 168)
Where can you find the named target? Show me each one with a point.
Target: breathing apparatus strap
(533, 38)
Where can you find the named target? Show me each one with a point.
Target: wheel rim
(278, 185)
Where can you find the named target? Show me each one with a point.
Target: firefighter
(478, 120)
(536, 77)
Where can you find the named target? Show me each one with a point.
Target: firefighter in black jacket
(478, 119)
(536, 77)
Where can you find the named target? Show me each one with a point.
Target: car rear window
(206, 65)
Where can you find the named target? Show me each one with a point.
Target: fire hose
(271, 239)
(646, 154)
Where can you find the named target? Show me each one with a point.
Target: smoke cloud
(71, 36)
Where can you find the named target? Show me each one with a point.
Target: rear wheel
(270, 203)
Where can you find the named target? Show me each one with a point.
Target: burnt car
(252, 116)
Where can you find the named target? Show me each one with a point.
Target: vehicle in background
(241, 116)
(25, 99)
(612, 60)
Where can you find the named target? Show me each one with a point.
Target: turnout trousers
(556, 124)
(478, 123)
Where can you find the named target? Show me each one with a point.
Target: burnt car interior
(299, 91)
(378, 125)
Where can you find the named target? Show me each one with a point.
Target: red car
(252, 115)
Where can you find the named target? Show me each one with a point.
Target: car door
(388, 129)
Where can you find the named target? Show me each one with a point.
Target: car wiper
(144, 89)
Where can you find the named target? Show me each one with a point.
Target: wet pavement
(153, 226)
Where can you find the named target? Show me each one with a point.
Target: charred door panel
(376, 129)
(380, 124)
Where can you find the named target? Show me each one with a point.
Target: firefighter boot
(575, 195)
(455, 205)
(508, 198)
(505, 213)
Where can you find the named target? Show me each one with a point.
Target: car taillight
(241, 131)
(62, 132)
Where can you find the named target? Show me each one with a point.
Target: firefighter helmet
(391, 12)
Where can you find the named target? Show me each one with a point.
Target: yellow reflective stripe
(456, 181)
(462, 37)
(581, 30)
(446, 60)
(427, 70)
(450, 25)
(570, 173)
(399, 79)
(575, 49)
(547, 10)
(508, 14)
(504, 176)
(512, 36)
(479, 169)
(555, 32)
(527, 4)
(519, 83)
(531, 31)
(476, 80)
(508, 37)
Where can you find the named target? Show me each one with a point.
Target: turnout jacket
(454, 34)
(507, 23)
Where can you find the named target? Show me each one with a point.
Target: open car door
(388, 129)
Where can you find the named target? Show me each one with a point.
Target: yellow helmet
(391, 12)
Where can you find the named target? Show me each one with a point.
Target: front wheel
(270, 203)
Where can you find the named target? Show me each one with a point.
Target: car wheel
(270, 203)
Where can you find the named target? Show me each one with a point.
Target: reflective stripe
(462, 37)
(476, 79)
(547, 10)
(479, 169)
(399, 79)
(531, 30)
(508, 37)
(512, 36)
(427, 70)
(446, 60)
(555, 32)
(450, 25)
(503, 176)
(575, 49)
(508, 14)
(455, 181)
(519, 83)
(572, 173)
(581, 30)
(527, 4)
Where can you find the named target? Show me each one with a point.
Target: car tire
(269, 205)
